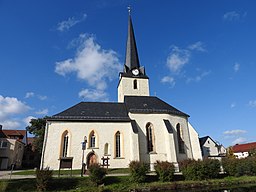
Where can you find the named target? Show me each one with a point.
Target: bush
(199, 170)
(138, 171)
(97, 173)
(239, 167)
(3, 185)
(211, 168)
(43, 177)
(164, 170)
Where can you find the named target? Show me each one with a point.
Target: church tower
(133, 81)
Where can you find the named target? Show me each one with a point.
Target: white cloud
(29, 94)
(91, 63)
(239, 140)
(42, 97)
(42, 112)
(10, 106)
(198, 77)
(177, 59)
(10, 124)
(70, 22)
(236, 67)
(169, 80)
(27, 120)
(32, 94)
(252, 103)
(231, 16)
(235, 132)
(198, 46)
(93, 95)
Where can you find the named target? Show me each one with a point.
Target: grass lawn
(122, 183)
(74, 172)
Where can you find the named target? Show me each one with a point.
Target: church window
(65, 141)
(92, 139)
(180, 139)
(106, 149)
(135, 84)
(118, 144)
(150, 138)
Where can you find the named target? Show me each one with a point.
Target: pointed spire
(132, 59)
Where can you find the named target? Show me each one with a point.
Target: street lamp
(83, 148)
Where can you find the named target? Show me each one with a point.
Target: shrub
(191, 169)
(211, 168)
(229, 166)
(239, 167)
(43, 177)
(138, 171)
(97, 173)
(164, 170)
(198, 170)
(3, 185)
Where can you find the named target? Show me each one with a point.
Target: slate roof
(103, 111)
(150, 104)
(244, 147)
(131, 57)
(202, 140)
(94, 111)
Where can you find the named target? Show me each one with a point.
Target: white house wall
(209, 148)
(197, 155)
(164, 142)
(105, 133)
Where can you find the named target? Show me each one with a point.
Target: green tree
(252, 152)
(37, 128)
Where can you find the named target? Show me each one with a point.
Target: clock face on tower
(135, 72)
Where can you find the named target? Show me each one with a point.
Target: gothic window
(118, 144)
(65, 140)
(180, 138)
(150, 138)
(92, 139)
(135, 84)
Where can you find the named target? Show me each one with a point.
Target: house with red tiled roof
(243, 150)
(12, 143)
(20, 135)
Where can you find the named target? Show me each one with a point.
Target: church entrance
(91, 159)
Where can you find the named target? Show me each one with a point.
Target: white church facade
(137, 127)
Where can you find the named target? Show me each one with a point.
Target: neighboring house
(11, 148)
(210, 148)
(137, 127)
(243, 150)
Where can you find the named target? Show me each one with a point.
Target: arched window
(118, 144)
(180, 138)
(135, 84)
(106, 149)
(150, 138)
(65, 140)
(92, 139)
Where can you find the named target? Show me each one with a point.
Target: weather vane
(129, 9)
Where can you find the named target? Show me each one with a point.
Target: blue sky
(199, 55)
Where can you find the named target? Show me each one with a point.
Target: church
(137, 127)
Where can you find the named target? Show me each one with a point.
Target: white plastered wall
(105, 133)
(195, 145)
(125, 87)
(165, 143)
